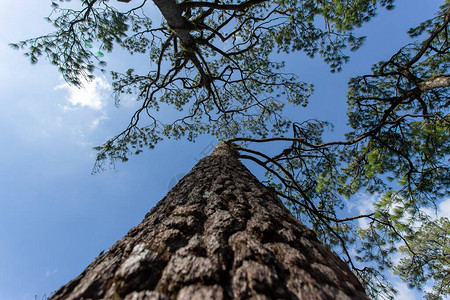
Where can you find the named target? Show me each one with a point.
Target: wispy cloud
(362, 203)
(97, 121)
(443, 210)
(49, 272)
(404, 292)
(92, 94)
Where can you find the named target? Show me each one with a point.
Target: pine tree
(214, 63)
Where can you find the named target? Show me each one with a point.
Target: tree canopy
(215, 62)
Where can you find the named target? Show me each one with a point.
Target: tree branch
(233, 7)
(434, 83)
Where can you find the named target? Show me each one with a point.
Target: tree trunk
(218, 234)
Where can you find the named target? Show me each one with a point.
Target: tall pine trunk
(218, 234)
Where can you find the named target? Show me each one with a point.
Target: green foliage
(227, 84)
(406, 125)
(428, 257)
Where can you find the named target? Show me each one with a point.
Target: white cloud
(97, 121)
(92, 94)
(127, 101)
(49, 272)
(444, 208)
(404, 292)
(362, 203)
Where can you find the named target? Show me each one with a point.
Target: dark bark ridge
(218, 234)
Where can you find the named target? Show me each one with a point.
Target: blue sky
(55, 217)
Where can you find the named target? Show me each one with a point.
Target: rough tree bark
(218, 234)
